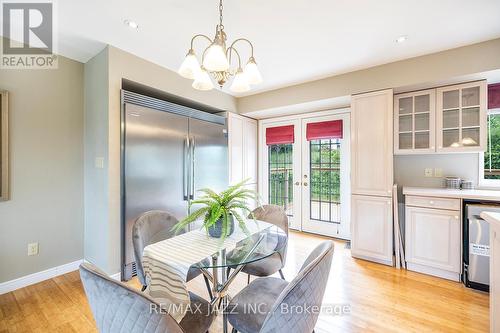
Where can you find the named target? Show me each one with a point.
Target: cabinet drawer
(432, 202)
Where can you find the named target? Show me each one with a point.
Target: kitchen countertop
(492, 218)
(490, 195)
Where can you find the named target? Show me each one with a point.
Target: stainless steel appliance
(169, 151)
(477, 246)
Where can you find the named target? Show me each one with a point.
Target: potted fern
(219, 210)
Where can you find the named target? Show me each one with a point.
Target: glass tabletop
(259, 245)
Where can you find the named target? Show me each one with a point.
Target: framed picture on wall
(4, 145)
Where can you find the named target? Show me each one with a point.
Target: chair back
(272, 214)
(275, 215)
(118, 308)
(307, 289)
(149, 228)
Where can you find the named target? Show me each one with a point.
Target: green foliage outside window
(492, 155)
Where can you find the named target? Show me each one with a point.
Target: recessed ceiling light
(131, 24)
(402, 39)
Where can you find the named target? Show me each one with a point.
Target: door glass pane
(281, 176)
(405, 123)
(470, 136)
(422, 122)
(405, 141)
(422, 140)
(451, 99)
(450, 119)
(470, 97)
(406, 105)
(325, 180)
(422, 103)
(450, 138)
(470, 117)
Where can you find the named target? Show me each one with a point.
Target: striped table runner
(166, 264)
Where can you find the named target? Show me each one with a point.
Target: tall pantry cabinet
(372, 176)
(242, 146)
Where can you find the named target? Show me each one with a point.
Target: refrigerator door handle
(193, 148)
(185, 169)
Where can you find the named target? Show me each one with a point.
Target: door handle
(193, 146)
(185, 169)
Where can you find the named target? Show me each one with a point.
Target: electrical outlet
(32, 249)
(428, 172)
(438, 172)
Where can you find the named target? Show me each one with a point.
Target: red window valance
(324, 130)
(279, 135)
(494, 96)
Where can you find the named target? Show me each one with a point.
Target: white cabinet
(444, 120)
(242, 142)
(372, 143)
(250, 150)
(461, 117)
(414, 122)
(372, 176)
(433, 238)
(371, 228)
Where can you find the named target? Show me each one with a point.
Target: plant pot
(215, 231)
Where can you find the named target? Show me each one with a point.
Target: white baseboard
(28, 280)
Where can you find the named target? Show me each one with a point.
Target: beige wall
(123, 65)
(432, 68)
(46, 160)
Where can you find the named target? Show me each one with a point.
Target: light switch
(438, 172)
(428, 172)
(99, 162)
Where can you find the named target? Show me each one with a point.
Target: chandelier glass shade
(220, 63)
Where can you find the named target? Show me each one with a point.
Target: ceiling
(295, 41)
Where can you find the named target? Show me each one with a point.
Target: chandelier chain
(221, 8)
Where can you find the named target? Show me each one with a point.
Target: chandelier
(217, 61)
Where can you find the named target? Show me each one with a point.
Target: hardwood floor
(381, 299)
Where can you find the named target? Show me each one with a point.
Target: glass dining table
(222, 267)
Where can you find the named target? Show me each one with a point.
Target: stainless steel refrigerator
(169, 151)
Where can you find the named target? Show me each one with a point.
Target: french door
(308, 178)
(325, 181)
(281, 169)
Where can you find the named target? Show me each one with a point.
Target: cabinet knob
(297, 183)
(305, 184)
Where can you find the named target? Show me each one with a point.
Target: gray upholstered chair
(118, 308)
(275, 215)
(152, 227)
(270, 295)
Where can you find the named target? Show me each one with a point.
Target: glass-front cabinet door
(461, 117)
(414, 129)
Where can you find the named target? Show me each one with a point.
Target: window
(490, 160)
(325, 180)
(281, 176)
